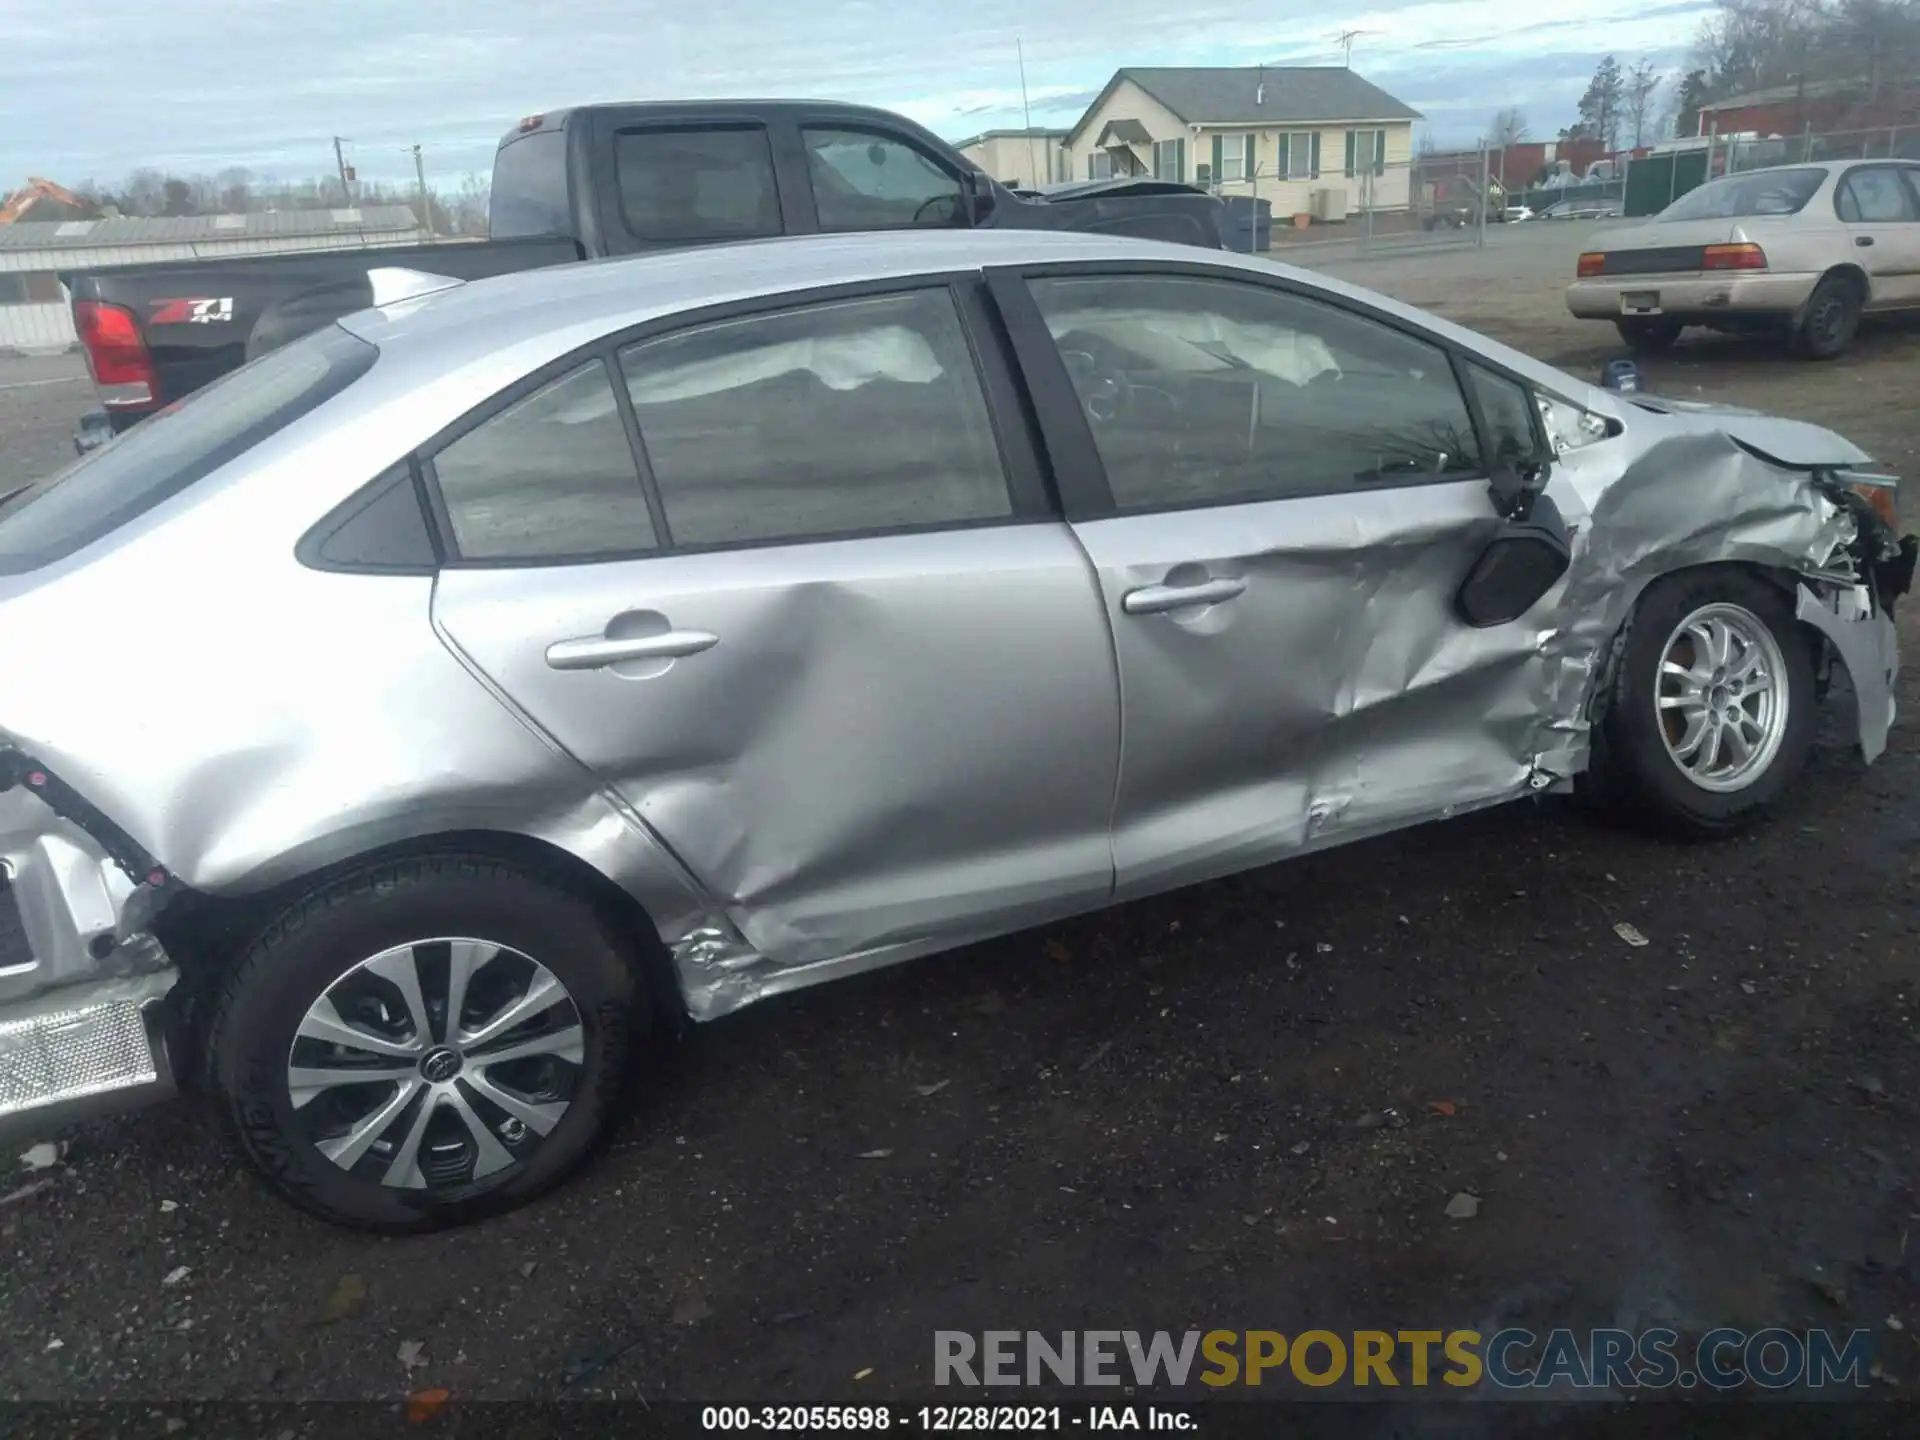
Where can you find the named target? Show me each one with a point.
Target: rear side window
(530, 187)
(1760, 192)
(550, 477)
(837, 419)
(1875, 196)
(173, 449)
(687, 185)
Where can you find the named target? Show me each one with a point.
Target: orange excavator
(35, 190)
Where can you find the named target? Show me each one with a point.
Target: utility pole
(1026, 116)
(340, 159)
(426, 200)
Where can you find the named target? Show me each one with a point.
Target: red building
(1819, 107)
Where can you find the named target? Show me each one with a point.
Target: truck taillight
(116, 355)
(1594, 262)
(1733, 257)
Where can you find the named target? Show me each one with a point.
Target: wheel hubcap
(437, 1065)
(1721, 698)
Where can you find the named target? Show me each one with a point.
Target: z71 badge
(191, 311)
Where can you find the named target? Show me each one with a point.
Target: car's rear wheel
(1831, 319)
(425, 1043)
(1648, 337)
(1711, 710)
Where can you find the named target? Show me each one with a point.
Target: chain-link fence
(1388, 204)
(1654, 182)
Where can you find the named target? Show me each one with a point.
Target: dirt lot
(1213, 1108)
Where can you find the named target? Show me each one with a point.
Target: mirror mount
(1525, 557)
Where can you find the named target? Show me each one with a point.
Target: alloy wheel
(438, 1065)
(1720, 698)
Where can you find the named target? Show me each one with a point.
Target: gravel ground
(1219, 1107)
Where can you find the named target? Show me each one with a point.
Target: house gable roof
(1258, 95)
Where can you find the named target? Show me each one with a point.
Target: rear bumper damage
(83, 985)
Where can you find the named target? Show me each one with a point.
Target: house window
(1300, 155)
(1099, 166)
(1366, 150)
(1233, 157)
(1170, 160)
(42, 288)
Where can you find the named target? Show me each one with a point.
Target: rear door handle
(596, 652)
(1157, 599)
(1863, 239)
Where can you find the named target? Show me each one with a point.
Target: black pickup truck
(578, 184)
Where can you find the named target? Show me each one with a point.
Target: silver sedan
(404, 726)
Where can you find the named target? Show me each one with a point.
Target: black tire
(310, 947)
(1633, 774)
(1831, 320)
(1648, 337)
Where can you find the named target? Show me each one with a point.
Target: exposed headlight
(1569, 427)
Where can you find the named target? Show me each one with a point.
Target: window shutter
(1379, 152)
(1252, 166)
(1180, 159)
(1219, 157)
(1313, 158)
(1351, 137)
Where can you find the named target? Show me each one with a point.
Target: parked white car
(1805, 250)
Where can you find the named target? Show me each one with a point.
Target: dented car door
(827, 640)
(1281, 497)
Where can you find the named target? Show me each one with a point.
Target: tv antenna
(1345, 42)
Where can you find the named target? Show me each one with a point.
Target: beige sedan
(1802, 250)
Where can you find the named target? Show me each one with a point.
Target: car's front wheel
(424, 1043)
(1710, 715)
(1648, 337)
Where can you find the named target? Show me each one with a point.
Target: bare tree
(1643, 81)
(1509, 127)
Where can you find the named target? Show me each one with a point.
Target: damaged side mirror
(1523, 560)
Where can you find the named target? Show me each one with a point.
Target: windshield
(1764, 192)
(163, 455)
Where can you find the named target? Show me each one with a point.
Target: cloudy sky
(93, 88)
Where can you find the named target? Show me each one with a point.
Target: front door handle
(1157, 599)
(596, 652)
(1863, 240)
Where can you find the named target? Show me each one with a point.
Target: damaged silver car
(398, 729)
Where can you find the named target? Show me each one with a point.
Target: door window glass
(550, 476)
(868, 181)
(1875, 197)
(1206, 391)
(685, 185)
(839, 419)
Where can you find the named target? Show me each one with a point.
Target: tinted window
(1508, 412)
(1203, 391)
(169, 451)
(1875, 197)
(530, 187)
(551, 475)
(868, 181)
(1763, 192)
(860, 415)
(697, 184)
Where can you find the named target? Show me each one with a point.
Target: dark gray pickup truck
(593, 181)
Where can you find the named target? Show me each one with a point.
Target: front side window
(1099, 166)
(1202, 391)
(867, 181)
(1507, 411)
(1366, 152)
(174, 449)
(1875, 196)
(838, 419)
(1236, 156)
(680, 186)
(550, 477)
(1170, 160)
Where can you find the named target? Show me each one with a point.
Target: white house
(1020, 157)
(1279, 133)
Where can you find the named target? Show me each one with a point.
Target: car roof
(615, 294)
